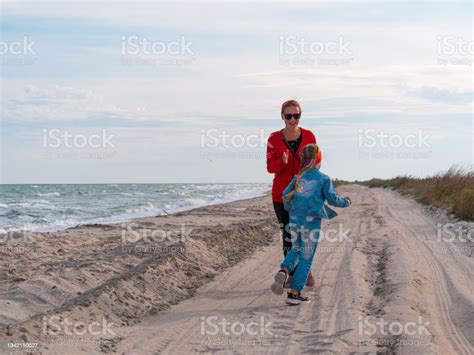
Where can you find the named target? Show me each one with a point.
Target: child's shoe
(280, 279)
(296, 298)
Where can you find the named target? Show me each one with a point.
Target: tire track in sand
(329, 323)
(457, 339)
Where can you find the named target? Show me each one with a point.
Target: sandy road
(395, 284)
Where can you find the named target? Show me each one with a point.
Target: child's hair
(310, 156)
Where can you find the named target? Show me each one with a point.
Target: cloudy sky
(188, 92)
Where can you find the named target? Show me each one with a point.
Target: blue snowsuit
(306, 209)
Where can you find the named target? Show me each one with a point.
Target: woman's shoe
(310, 280)
(288, 282)
(296, 299)
(280, 279)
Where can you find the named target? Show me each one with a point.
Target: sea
(48, 208)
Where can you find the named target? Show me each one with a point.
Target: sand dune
(384, 259)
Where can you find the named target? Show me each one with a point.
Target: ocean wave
(32, 204)
(48, 194)
(195, 202)
(74, 206)
(11, 214)
(148, 206)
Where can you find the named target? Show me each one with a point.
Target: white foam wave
(48, 194)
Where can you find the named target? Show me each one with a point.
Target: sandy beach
(170, 284)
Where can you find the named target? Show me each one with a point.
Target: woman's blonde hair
(310, 156)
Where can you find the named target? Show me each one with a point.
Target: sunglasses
(289, 116)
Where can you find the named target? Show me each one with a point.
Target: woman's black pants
(283, 219)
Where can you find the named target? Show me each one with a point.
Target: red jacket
(276, 146)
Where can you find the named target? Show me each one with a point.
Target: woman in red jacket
(283, 151)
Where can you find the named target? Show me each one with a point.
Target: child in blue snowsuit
(304, 198)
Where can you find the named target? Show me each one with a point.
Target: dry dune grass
(452, 190)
